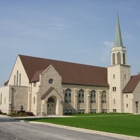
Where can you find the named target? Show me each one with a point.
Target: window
(123, 58)
(81, 111)
(4, 100)
(17, 78)
(104, 97)
(113, 58)
(34, 84)
(119, 58)
(34, 100)
(113, 76)
(114, 101)
(81, 96)
(20, 79)
(114, 110)
(50, 81)
(93, 96)
(67, 96)
(125, 76)
(93, 111)
(127, 105)
(14, 80)
(1, 98)
(126, 96)
(104, 110)
(114, 88)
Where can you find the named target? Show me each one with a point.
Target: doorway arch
(51, 106)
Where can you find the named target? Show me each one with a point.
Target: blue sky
(80, 31)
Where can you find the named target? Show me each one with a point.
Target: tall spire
(118, 38)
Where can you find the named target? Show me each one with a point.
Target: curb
(125, 137)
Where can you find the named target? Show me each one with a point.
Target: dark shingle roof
(131, 85)
(71, 73)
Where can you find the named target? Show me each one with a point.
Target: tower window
(113, 76)
(124, 58)
(114, 88)
(119, 58)
(113, 58)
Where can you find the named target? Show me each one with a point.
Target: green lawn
(127, 124)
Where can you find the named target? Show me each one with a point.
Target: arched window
(34, 100)
(124, 58)
(119, 58)
(17, 78)
(20, 79)
(81, 96)
(113, 58)
(67, 96)
(93, 96)
(50, 99)
(104, 97)
(14, 80)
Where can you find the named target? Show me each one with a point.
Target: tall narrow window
(104, 97)
(20, 79)
(67, 96)
(1, 98)
(119, 58)
(113, 76)
(17, 78)
(124, 58)
(113, 58)
(81, 96)
(93, 96)
(14, 80)
(34, 100)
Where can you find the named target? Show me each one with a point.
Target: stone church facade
(51, 87)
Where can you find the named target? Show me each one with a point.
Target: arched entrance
(51, 106)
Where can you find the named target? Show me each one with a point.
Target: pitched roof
(131, 85)
(71, 73)
(47, 92)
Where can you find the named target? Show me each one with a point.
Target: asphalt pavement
(12, 129)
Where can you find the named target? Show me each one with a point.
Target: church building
(51, 87)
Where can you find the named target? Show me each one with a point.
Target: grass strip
(121, 124)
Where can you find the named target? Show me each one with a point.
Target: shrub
(29, 114)
(4, 113)
(0, 112)
(12, 114)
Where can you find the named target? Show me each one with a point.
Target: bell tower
(118, 52)
(118, 72)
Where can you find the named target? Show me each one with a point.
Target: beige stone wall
(87, 106)
(136, 98)
(18, 97)
(50, 73)
(4, 99)
(118, 77)
(128, 102)
(33, 89)
(24, 79)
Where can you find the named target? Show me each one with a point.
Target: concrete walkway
(22, 119)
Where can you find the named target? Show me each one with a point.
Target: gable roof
(71, 73)
(47, 92)
(131, 85)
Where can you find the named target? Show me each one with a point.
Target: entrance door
(136, 107)
(51, 106)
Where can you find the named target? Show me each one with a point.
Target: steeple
(118, 52)
(118, 38)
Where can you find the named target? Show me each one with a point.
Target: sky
(79, 31)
